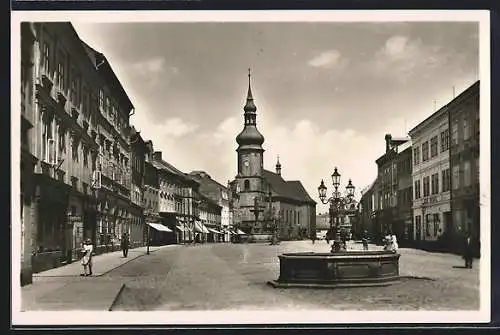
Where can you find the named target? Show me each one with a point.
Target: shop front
(51, 204)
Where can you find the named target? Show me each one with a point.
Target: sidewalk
(64, 289)
(103, 263)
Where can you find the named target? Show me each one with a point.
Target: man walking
(468, 257)
(125, 244)
(364, 239)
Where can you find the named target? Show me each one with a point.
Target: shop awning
(181, 228)
(200, 227)
(159, 227)
(215, 231)
(239, 232)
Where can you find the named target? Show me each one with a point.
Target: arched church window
(247, 185)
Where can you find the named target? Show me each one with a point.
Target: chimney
(388, 139)
(157, 156)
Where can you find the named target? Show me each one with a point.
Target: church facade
(264, 203)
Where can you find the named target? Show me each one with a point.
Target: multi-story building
(208, 227)
(367, 205)
(215, 191)
(464, 160)
(404, 214)
(138, 150)
(431, 178)
(113, 176)
(178, 203)
(151, 190)
(69, 137)
(387, 217)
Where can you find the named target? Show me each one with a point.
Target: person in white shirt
(87, 251)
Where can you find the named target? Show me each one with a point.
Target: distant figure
(87, 252)
(467, 256)
(125, 244)
(394, 243)
(364, 240)
(313, 238)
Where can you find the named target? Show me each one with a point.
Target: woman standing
(88, 249)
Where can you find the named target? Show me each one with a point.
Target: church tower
(250, 161)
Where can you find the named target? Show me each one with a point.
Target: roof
(474, 88)
(164, 166)
(98, 59)
(293, 190)
(209, 188)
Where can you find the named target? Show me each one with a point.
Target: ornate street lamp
(338, 205)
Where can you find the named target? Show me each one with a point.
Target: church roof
(293, 190)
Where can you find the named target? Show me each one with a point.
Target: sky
(326, 93)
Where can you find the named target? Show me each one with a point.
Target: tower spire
(250, 106)
(278, 166)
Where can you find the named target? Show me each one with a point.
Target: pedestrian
(313, 238)
(364, 240)
(125, 244)
(394, 243)
(467, 256)
(87, 252)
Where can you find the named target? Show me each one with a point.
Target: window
(417, 189)
(466, 126)
(61, 71)
(101, 100)
(467, 174)
(435, 183)
(454, 134)
(434, 146)
(425, 151)
(445, 182)
(456, 177)
(426, 186)
(418, 225)
(436, 223)
(46, 56)
(445, 140)
(427, 225)
(246, 185)
(106, 106)
(72, 93)
(416, 156)
(74, 150)
(85, 157)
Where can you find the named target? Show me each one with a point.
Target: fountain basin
(336, 270)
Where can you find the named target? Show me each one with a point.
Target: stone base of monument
(337, 270)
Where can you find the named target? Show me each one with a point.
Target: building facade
(136, 227)
(218, 193)
(464, 161)
(151, 198)
(431, 178)
(69, 136)
(292, 212)
(387, 216)
(405, 196)
(367, 206)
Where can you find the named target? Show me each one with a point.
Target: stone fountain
(340, 267)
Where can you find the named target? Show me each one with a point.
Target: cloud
(176, 127)
(403, 59)
(329, 59)
(150, 66)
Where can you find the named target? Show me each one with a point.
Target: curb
(116, 298)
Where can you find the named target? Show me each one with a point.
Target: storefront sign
(74, 218)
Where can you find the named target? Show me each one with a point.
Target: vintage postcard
(250, 167)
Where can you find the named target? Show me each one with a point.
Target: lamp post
(338, 205)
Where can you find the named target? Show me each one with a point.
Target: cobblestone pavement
(234, 276)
